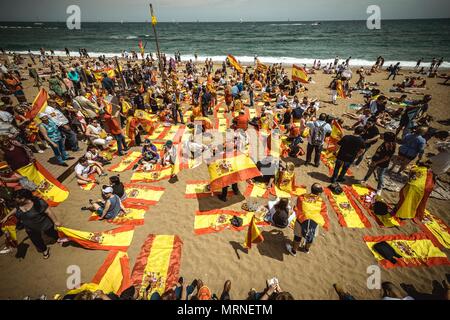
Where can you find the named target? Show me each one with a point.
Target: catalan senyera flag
(253, 234)
(138, 194)
(231, 168)
(360, 193)
(235, 63)
(127, 162)
(340, 89)
(115, 239)
(39, 104)
(49, 189)
(436, 229)
(114, 274)
(416, 250)
(348, 212)
(133, 217)
(218, 220)
(196, 189)
(261, 67)
(299, 74)
(414, 195)
(158, 264)
(312, 207)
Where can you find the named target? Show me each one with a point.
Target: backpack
(318, 134)
(236, 221)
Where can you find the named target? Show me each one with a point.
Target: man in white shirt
(63, 124)
(318, 130)
(83, 171)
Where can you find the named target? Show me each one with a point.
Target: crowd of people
(94, 101)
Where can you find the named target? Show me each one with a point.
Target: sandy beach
(338, 256)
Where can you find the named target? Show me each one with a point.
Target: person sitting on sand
(97, 135)
(285, 177)
(280, 213)
(272, 291)
(93, 156)
(149, 156)
(108, 208)
(118, 187)
(84, 170)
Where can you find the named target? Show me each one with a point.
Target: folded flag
(299, 74)
(364, 196)
(115, 239)
(235, 64)
(348, 212)
(253, 234)
(48, 188)
(39, 104)
(138, 194)
(199, 189)
(436, 229)
(133, 217)
(158, 265)
(415, 250)
(230, 169)
(218, 220)
(127, 162)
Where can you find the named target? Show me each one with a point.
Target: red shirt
(241, 122)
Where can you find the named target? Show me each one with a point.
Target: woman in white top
(97, 135)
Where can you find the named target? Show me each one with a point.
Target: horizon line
(209, 21)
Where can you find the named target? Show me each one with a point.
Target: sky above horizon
(221, 10)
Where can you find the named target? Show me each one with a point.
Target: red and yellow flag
(141, 47)
(436, 229)
(138, 194)
(127, 162)
(340, 89)
(414, 195)
(336, 132)
(197, 189)
(416, 251)
(115, 239)
(158, 264)
(253, 234)
(99, 73)
(48, 188)
(299, 74)
(261, 67)
(133, 217)
(235, 64)
(230, 169)
(218, 220)
(114, 274)
(312, 207)
(39, 104)
(348, 212)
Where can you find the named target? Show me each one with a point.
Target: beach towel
(196, 189)
(158, 264)
(218, 220)
(138, 194)
(415, 250)
(348, 212)
(127, 162)
(90, 185)
(232, 168)
(329, 160)
(114, 273)
(133, 217)
(253, 234)
(365, 196)
(48, 188)
(115, 239)
(436, 229)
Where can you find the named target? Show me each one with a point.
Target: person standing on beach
(67, 52)
(318, 131)
(113, 124)
(33, 73)
(394, 71)
(418, 64)
(53, 136)
(336, 60)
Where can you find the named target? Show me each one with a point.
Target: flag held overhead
(299, 74)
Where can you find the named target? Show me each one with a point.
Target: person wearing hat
(149, 154)
(53, 136)
(108, 208)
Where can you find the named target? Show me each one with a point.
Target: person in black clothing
(268, 168)
(351, 147)
(223, 195)
(370, 137)
(35, 214)
(206, 100)
(118, 187)
(139, 101)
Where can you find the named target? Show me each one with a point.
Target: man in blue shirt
(413, 145)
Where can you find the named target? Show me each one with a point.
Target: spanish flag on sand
(49, 189)
(299, 74)
(235, 64)
(232, 168)
(253, 235)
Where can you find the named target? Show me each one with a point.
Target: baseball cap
(107, 190)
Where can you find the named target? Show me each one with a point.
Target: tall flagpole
(158, 52)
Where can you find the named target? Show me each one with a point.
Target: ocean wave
(288, 24)
(249, 60)
(131, 37)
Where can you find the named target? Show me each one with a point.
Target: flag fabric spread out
(218, 220)
(39, 105)
(99, 73)
(134, 216)
(231, 169)
(173, 132)
(159, 132)
(259, 190)
(314, 208)
(146, 120)
(90, 185)
(197, 189)
(153, 175)
(348, 212)
(299, 74)
(253, 234)
(138, 194)
(48, 188)
(111, 151)
(114, 274)
(361, 194)
(436, 229)
(416, 250)
(329, 160)
(127, 162)
(115, 239)
(235, 64)
(158, 264)
(221, 122)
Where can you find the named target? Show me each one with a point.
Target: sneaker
(6, 250)
(40, 151)
(289, 249)
(63, 164)
(43, 297)
(363, 183)
(62, 240)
